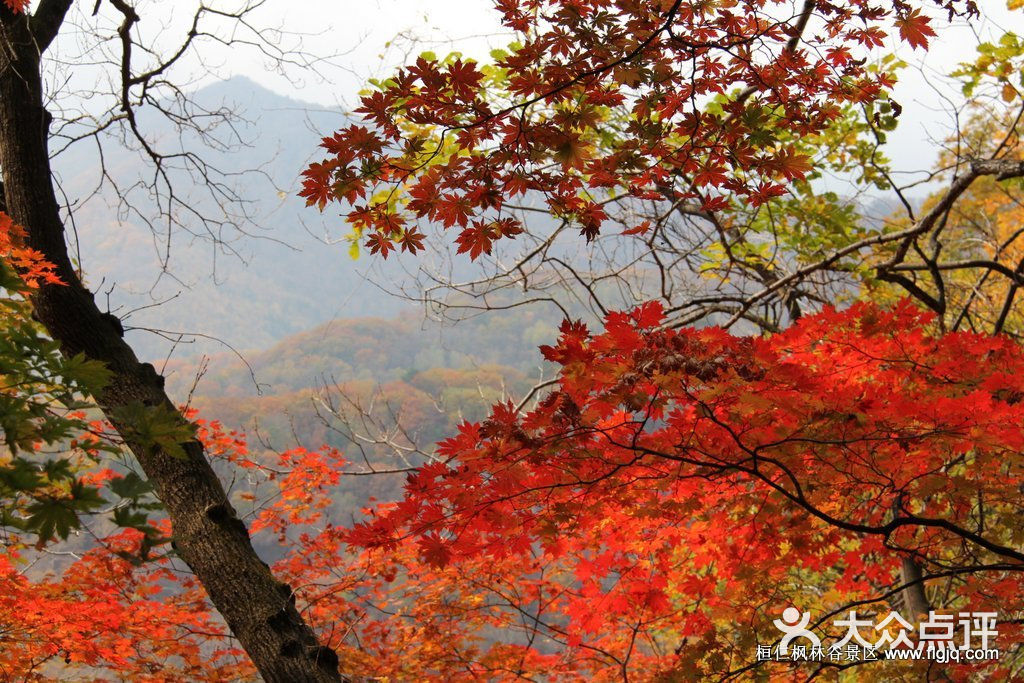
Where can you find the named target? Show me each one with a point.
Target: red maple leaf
(412, 241)
(316, 186)
(464, 78)
(380, 244)
(914, 29)
(476, 239)
(434, 550)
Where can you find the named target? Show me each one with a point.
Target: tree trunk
(914, 598)
(207, 533)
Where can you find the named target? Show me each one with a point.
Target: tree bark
(207, 533)
(914, 598)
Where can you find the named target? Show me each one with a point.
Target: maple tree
(691, 481)
(632, 522)
(694, 128)
(968, 268)
(40, 404)
(650, 514)
(679, 485)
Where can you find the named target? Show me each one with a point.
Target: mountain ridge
(248, 290)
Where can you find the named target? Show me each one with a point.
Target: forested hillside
(381, 349)
(419, 376)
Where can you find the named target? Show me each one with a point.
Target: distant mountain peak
(244, 91)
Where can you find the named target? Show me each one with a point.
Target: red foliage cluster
(30, 265)
(653, 514)
(688, 483)
(713, 94)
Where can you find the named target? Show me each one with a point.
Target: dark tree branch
(47, 20)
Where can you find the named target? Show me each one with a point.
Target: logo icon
(794, 625)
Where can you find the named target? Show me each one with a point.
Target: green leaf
(91, 376)
(130, 486)
(49, 516)
(130, 518)
(155, 427)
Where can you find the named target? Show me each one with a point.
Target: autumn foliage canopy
(855, 449)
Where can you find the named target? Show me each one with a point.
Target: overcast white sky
(372, 37)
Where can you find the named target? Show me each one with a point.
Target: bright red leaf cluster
(106, 612)
(676, 475)
(18, 6)
(668, 100)
(30, 265)
(651, 516)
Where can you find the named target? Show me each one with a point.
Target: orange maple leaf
(915, 30)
